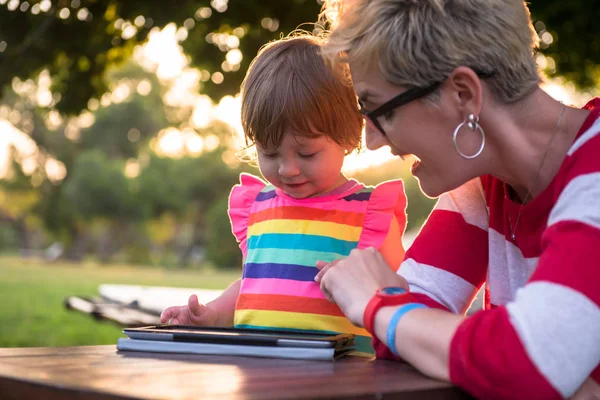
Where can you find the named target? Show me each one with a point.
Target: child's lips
(294, 185)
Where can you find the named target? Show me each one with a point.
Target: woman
(455, 84)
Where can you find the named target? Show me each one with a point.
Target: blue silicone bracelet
(391, 330)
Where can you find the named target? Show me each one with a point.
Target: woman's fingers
(353, 282)
(323, 280)
(322, 273)
(323, 267)
(327, 294)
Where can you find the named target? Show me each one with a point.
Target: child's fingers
(166, 315)
(198, 312)
(194, 306)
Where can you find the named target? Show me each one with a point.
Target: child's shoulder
(387, 190)
(251, 181)
(245, 193)
(385, 220)
(249, 187)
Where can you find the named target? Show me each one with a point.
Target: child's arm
(392, 249)
(224, 305)
(218, 312)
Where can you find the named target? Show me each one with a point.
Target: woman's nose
(373, 138)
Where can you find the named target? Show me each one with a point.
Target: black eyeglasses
(402, 99)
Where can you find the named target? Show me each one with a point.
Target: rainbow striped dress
(282, 238)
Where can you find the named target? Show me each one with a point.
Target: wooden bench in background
(133, 306)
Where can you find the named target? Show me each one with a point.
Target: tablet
(249, 337)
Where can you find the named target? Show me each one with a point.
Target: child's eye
(389, 115)
(310, 155)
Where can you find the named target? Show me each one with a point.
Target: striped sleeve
(546, 342)
(447, 263)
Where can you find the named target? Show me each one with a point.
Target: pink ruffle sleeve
(387, 199)
(241, 198)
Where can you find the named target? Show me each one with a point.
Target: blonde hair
(415, 43)
(289, 86)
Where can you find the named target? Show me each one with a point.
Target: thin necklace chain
(514, 231)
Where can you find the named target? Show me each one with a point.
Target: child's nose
(288, 169)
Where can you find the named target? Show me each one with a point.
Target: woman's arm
(544, 343)
(447, 262)
(423, 338)
(548, 336)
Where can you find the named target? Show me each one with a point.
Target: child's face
(303, 167)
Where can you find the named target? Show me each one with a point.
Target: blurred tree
(111, 182)
(211, 180)
(18, 197)
(187, 188)
(78, 40)
(570, 35)
(419, 206)
(81, 147)
(116, 131)
(221, 247)
(98, 187)
(99, 190)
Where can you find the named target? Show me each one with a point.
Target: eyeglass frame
(402, 99)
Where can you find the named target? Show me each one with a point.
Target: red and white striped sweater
(539, 335)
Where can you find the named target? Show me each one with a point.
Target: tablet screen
(237, 335)
(269, 333)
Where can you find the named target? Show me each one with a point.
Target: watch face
(392, 291)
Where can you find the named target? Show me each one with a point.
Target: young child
(303, 120)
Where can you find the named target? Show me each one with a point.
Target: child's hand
(192, 314)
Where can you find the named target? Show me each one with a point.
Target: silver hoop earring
(473, 124)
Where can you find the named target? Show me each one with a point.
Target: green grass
(32, 312)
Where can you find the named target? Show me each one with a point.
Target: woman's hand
(192, 314)
(352, 281)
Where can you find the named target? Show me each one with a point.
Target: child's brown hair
(289, 87)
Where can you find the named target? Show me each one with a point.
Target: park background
(119, 128)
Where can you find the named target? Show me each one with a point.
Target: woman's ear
(466, 90)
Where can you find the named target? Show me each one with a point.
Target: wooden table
(100, 372)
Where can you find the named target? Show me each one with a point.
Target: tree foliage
(115, 183)
(81, 50)
(575, 42)
(78, 40)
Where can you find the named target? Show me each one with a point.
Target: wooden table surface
(100, 372)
